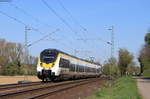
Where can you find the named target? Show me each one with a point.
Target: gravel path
(144, 87)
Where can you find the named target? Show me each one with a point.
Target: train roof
(58, 51)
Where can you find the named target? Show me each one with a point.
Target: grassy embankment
(122, 88)
(146, 73)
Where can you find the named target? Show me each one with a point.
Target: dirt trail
(15, 79)
(144, 87)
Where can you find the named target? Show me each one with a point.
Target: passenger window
(64, 63)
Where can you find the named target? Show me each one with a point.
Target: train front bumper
(46, 74)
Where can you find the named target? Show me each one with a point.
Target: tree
(133, 69)
(144, 56)
(125, 58)
(147, 39)
(110, 67)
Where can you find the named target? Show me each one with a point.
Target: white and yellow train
(54, 64)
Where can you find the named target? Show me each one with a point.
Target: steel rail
(11, 86)
(61, 90)
(29, 93)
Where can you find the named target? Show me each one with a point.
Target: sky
(129, 17)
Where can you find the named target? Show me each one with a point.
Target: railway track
(44, 90)
(11, 87)
(7, 86)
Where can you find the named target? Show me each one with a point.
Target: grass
(122, 88)
(146, 73)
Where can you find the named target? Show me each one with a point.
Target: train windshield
(48, 56)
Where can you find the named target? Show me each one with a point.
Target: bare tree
(12, 59)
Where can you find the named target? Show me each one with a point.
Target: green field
(122, 88)
(146, 73)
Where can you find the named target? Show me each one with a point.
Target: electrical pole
(26, 43)
(26, 49)
(112, 47)
(112, 40)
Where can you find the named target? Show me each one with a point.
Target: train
(54, 64)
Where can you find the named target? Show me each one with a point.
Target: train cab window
(64, 63)
(48, 56)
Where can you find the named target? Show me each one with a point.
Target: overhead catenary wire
(73, 19)
(15, 19)
(26, 13)
(29, 15)
(62, 19)
(42, 38)
(68, 46)
(21, 22)
(83, 28)
(71, 16)
(56, 14)
(96, 39)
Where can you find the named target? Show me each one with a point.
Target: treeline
(144, 56)
(124, 65)
(14, 59)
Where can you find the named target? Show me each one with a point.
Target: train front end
(47, 65)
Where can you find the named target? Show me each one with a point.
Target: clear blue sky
(131, 19)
